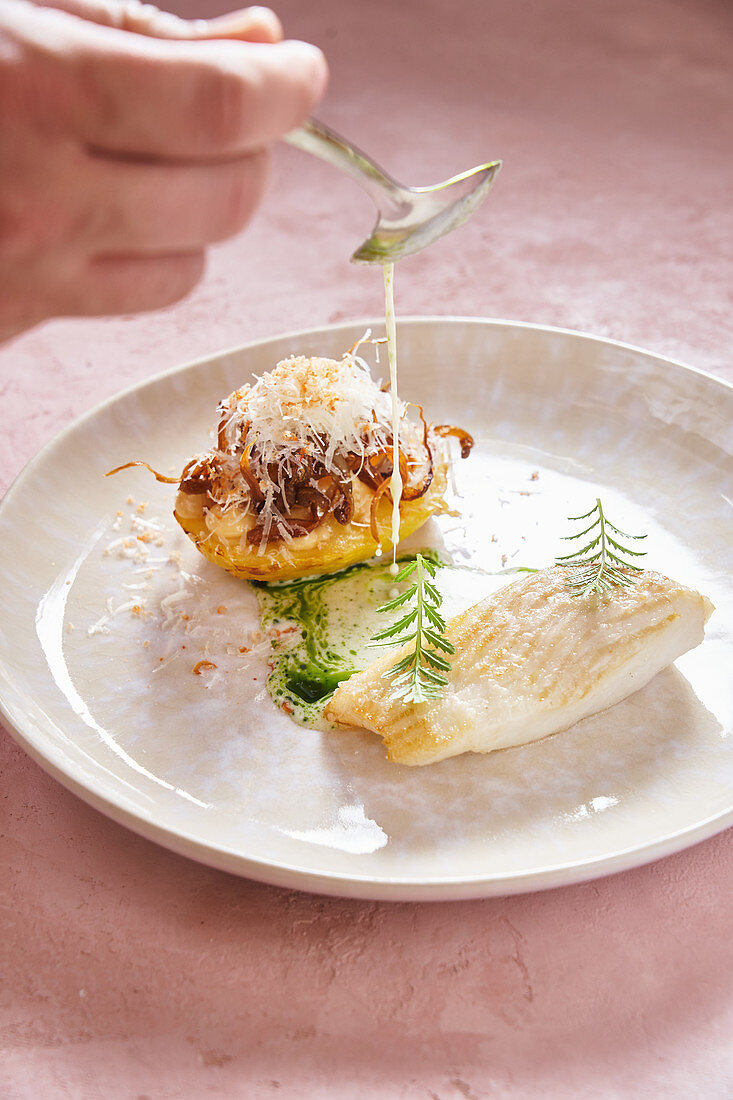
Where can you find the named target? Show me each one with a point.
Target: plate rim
(381, 888)
(337, 883)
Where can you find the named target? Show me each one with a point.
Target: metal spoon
(408, 218)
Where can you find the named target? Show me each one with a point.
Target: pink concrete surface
(129, 972)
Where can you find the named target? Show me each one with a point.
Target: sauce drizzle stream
(395, 483)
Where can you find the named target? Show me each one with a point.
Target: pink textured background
(129, 972)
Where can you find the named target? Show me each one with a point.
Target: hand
(129, 141)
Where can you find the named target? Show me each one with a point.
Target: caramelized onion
(465, 440)
(318, 503)
(139, 462)
(425, 425)
(253, 484)
(198, 476)
(372, 469)
(383, 488)
(343, 505)
(413, 492)
(277, 532)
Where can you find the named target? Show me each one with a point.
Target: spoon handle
(313, 137)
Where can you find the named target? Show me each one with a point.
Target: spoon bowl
(408, 218)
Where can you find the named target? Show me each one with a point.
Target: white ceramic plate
(96, 659)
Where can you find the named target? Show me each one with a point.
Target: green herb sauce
(326, 624)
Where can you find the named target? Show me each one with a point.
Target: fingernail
(265, 15)
(315, 59)
(245, 20)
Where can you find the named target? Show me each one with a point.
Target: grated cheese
(175, 597)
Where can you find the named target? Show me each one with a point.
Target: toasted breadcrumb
(201, 665)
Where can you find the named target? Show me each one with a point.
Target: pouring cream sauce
(395, 483)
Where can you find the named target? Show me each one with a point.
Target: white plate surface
(106, 699)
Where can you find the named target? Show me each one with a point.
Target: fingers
(132, 284)
(256, 24)
(104, 286)
(158, 208)
(218, 105)
(123, 155)
(180, 99)
(215, 102)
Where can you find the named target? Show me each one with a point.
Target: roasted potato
(331, 546)
(299, 478)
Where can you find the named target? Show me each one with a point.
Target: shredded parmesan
(175, 597)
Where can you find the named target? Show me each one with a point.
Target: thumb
(254, 24)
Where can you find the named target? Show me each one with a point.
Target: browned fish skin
(530, 660)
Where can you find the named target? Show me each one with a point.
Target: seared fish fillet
(530, 660)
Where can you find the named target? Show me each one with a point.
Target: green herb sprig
(603, 562)
(418, 677)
